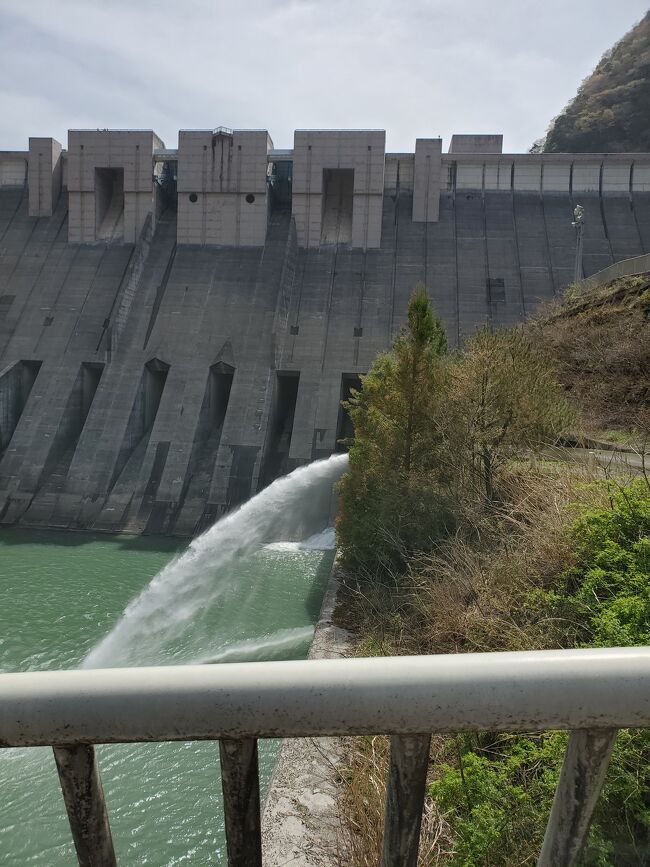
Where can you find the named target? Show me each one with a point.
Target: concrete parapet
(476, 144)
(44, 176)
(426, 182)
(222, 187)
(13, 168)
(398, 173)
(319, 156)
(301, 821)
(640, 182)
(110, 184)
(556, 177)
(586, 177)
(547, 173)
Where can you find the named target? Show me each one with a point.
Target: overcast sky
(412, 67)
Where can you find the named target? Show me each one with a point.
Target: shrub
(504, 397)
(497, 798)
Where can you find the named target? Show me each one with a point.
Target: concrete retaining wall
(301, 825)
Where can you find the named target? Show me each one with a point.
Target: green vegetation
(388, 506)
(504, 397)
(496, 791)
(519, 553)
(611, 111)
(431, 433)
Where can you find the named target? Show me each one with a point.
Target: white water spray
(323, 541)
(185, 590)
(267, 647)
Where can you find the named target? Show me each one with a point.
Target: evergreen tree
(388, 502)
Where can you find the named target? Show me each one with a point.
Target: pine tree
(386, 497)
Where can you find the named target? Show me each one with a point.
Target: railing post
(85, 804)
(241, 801)
(409, 760)
(581, 779)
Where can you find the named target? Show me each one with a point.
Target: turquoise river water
(63, 593)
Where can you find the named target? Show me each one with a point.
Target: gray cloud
(414, 68)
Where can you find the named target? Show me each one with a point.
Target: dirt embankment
(600, 340)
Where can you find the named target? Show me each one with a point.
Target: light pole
(578, 223)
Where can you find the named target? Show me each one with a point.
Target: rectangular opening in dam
(16, 383)
(219, 386)
(81, 397)
(285, 395)
(141, 419)
(205, 446)
(72, 421)
(281, 183)
(155, 377)
(338, 196)
(91, 373)
(165, 186)
(109, 203)
(344, 426)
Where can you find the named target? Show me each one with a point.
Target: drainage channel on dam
(239, 592)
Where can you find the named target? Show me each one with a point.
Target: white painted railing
(592, 693)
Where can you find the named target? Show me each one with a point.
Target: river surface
(61, 595)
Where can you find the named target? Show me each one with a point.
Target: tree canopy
(432, 433)
(611, 111)
(387, 504)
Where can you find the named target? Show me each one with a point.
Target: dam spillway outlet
(72, 421)
(91, 373)
(285, 395)
(155, 377)
(218, 393)
(190, 509)
(16, 383)
(141, 419)
(338, 197)
(109, 204)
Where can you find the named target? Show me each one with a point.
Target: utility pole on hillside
(578, 223)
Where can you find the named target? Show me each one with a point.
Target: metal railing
(591, 693)
(635, 266)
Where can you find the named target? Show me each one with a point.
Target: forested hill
(611, 111)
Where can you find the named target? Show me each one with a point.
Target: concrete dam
(179, 326)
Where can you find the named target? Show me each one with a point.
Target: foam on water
(273, 646)
(323, 541)
(185, 590)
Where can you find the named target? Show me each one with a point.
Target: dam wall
(179, 326)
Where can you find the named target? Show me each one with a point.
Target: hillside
(611, 111)
(600, 340)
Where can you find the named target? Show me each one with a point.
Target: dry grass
(464, 597)
(363, 806)
(601, 343)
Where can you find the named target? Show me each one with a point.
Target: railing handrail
(518, 691)
(631, 267)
